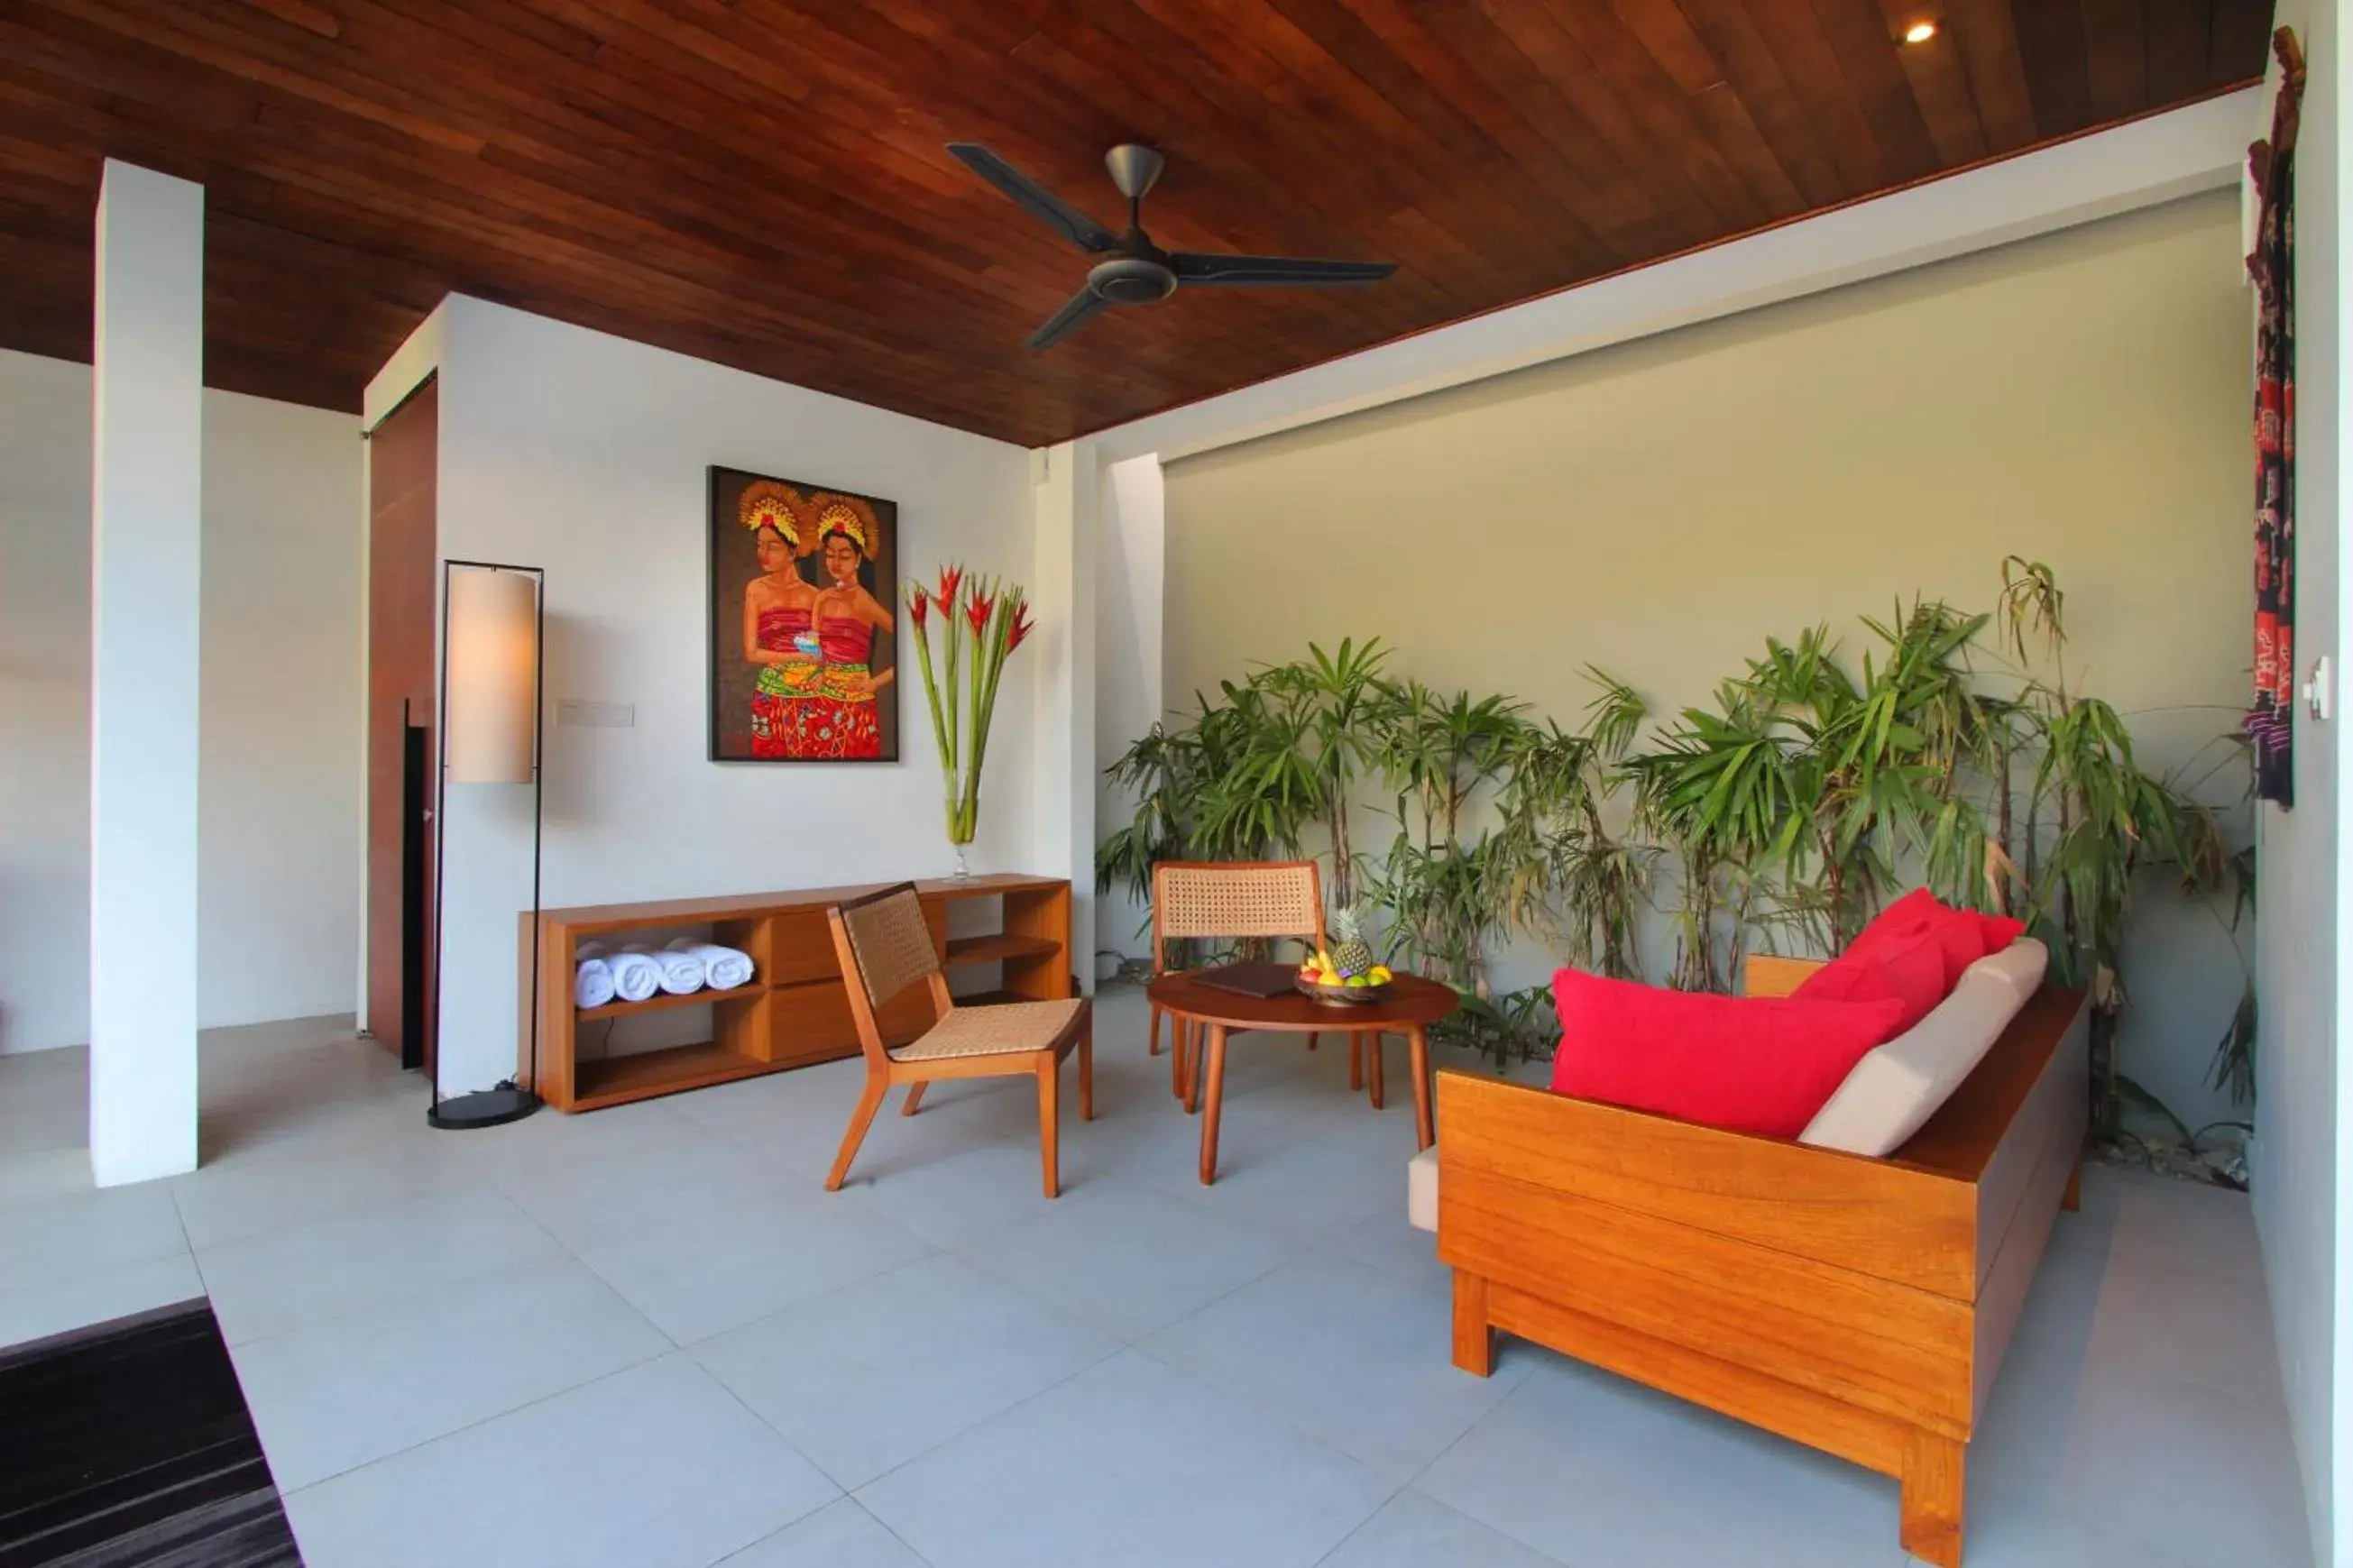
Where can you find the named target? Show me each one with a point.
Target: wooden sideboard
(794, 1011)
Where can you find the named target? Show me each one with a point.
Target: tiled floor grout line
(1413, 1482)
(485, 1420)
(880, 1523)
(1026, 1399)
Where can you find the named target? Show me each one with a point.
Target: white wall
(2302, 1128)
(1659, 509)
(586, 455)
(279, 817)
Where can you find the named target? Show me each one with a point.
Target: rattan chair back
(890, 941)
(1234, 899)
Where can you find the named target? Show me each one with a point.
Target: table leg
(1374, 1042)
(1422, 1129)
(1213, 1067)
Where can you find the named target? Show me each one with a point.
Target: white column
(1129, 563)
(146, 542)
(1068, 500)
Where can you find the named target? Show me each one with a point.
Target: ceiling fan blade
(1035, 199)
(1077, 312)
(1195, 266)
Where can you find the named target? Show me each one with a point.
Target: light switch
(2315, 691)
(576, 713)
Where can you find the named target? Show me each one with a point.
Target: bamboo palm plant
(1445, 757)
(1784, 808)
(1566, 874)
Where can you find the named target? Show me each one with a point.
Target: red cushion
(1746, 1064)
(1963, 935)
(1998, 930)
(1910, 968)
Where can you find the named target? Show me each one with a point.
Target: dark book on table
(1250, 979)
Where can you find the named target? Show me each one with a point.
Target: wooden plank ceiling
(763, 184)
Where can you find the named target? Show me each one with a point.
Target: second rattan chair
(1228, 899)
(884, 945)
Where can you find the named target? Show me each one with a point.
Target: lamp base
(484, 1107)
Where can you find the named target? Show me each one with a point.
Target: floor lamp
(493, 675)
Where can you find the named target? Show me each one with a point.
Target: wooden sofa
(1857, 1305)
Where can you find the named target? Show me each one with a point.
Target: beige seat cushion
(1421, 1189)
(1004, 1028)
(1894, 1089)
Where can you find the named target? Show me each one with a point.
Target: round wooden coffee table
(1409, 1007)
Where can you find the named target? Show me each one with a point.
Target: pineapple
(1353, 955)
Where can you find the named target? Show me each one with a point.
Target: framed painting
(804, 639)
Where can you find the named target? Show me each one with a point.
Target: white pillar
(1129, 565)
(146, 542)
(1067, 499)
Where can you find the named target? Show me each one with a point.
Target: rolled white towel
(680, 972)
(592, 982)
(724, 967)
(635, 976)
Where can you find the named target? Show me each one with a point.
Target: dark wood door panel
(403, 454)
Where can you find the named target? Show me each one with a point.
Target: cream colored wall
(1658, 507)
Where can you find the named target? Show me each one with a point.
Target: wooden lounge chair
(885, 948)
(1859, 1306)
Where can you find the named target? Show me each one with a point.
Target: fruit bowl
(1357, 995)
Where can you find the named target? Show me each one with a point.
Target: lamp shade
(491, 637)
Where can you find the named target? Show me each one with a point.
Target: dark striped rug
(128, 1446)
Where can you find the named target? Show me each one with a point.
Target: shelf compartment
(994, 947)
(701, 998)
(610, 1080)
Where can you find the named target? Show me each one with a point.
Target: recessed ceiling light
(1920, 32)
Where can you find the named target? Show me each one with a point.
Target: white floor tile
(39, 1311)
(1389, 1242)
(352, 1389)
(958, 1194)
(2140, 1421)
(657, 1466)
(2125, 1308)
(232, 1200)
(1307, 1194)
(2167, 1223)
(1130, 1462)
(46, 1244)
(650, 1186)
(1415, 1531)
(706, 1270)
(2008, 1531)
(2151, 1457)
(1129, 1259)
(838, 1535)
(1591, 1470)
(1352, 1356)
(867, 1378)
(284, 1279)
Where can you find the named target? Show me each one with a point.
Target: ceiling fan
(1136, 271)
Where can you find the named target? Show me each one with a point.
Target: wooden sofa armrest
(1890, 1221)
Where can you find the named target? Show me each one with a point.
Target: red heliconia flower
(1022, 626)
(918, 605)
(951, 579)
(977, 610)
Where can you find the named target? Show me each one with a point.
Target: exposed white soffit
(2148, 162)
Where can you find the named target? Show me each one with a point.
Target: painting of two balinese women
(803, 650)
